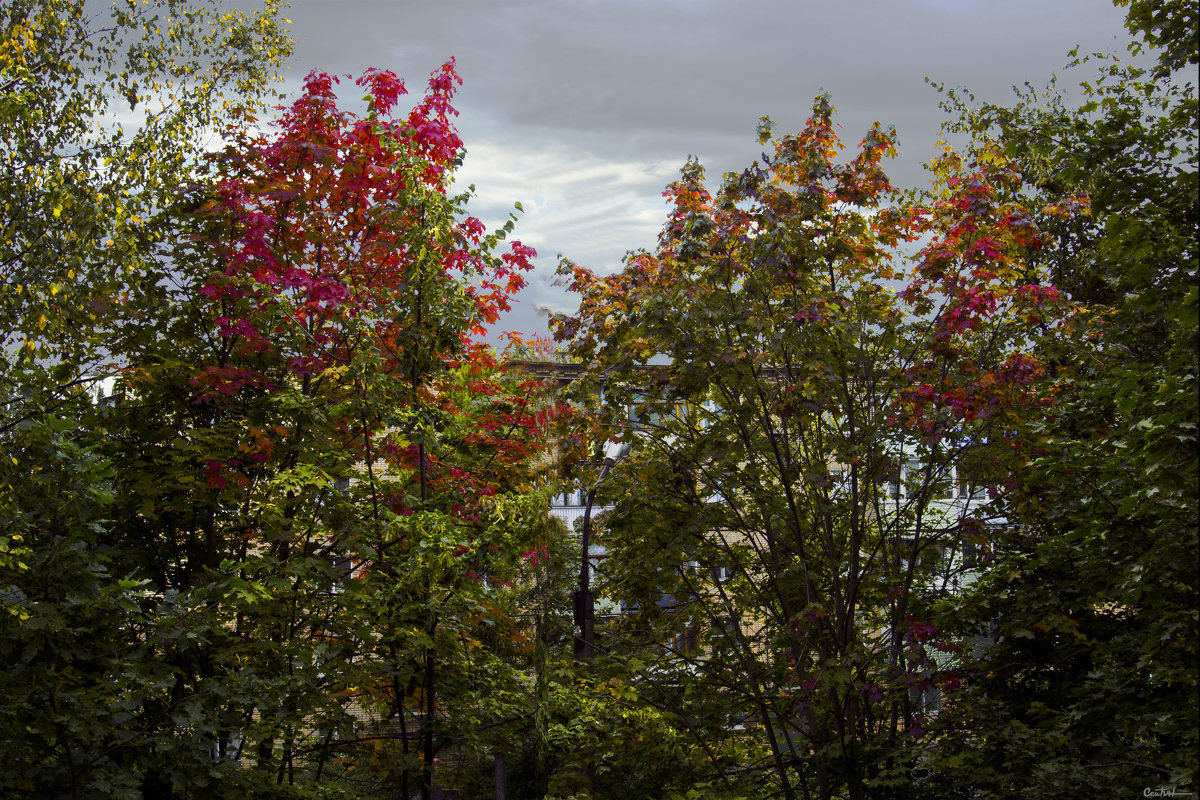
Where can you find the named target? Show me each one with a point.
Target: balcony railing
(573, 514)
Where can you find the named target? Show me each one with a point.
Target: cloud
(584, 109)
(590, 209)
(576, 203)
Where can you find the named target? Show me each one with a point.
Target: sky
(584, 110)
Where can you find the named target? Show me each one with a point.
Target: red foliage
(340, 241)
(339, 217)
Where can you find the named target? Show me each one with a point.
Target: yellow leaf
(58, 211)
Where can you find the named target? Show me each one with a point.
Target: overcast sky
(583, 110)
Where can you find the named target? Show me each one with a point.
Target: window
(688, 641)
(343, 570)
(968, 490)
(729, 628)
(938, 555)
(227, 745)
(927, 700)
(648, 412)
(912, 478)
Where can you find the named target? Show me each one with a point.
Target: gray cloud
(583, 109)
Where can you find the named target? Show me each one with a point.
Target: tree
(786, 516)
(271, 560)
(81, 192)
(81, 196)
(1090, 684)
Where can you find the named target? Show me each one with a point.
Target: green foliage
(83, 659)
(278, 561)
(302, 550)
(1043, 343)
(804, 441)
(80, 189)
(1090, 684)
(1168, 27)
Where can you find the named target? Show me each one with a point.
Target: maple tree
(81, 203)
(794, 486)
(284, 540)
(803, 527)
(1091, 682)
(334, 345)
